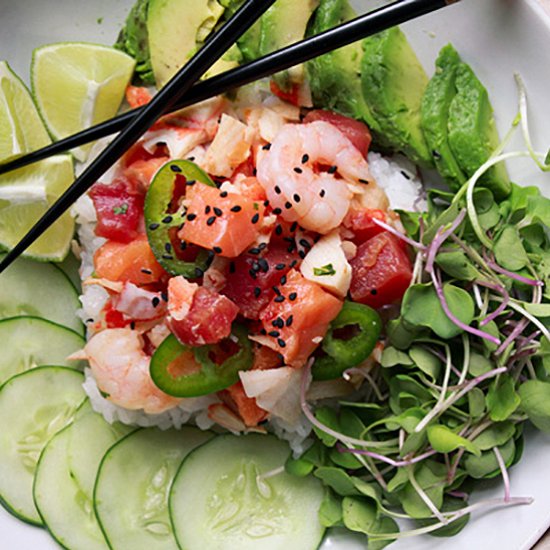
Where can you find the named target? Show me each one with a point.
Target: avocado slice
(472, 131)
(335, 78)
(249, 42)
(393, 83)
(176, 28)
(284, 23)
(436, 101)
(133, 40)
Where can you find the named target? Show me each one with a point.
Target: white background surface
(497, 37)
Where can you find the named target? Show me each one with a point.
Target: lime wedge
(21, 129)
(77, 85)
(25, 195)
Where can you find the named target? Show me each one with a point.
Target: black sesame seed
(278, 323)
(281, 342)
(207, 210)
(223, 194)
(132, 325)
(254, 251)
(436, 154)
(266, 203)
(405, 175)
(374, 292)
(322, 193)
(255, 266)
(191, 182)
(293, 263)
(302, 254)
(298, 170)
(283, 280)
(279, 267)
(236, 208)
(263, 332)
(210, 220)
(254, 171)
(292, 296)
(257, 291)
(191, 158)
(147, 271)
(154, 226)
(276, 290)
(175, 168)
(217, 211)
(198, 272)
(279, 230)
(217, 249)
(264, 266)
(191, 217)
(274, 333)
(277, 211)
(168, 247)
(167, 219)
(155, 301)
(279, 299)
(277, 190)
(305, 158)
(288, 205)
(183, 245)
(266, 147)
(294, 226)
(89, 320)
(164, 296)
(296, 197)
(363, 181)
(262, 246)
(289, 320)
(232, 267)
(332, 169)
(167, 257)
(305, 243)
(255, 218)
(291, 248)
(252, 273)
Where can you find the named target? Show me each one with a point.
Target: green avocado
(393, 83)
(249, 42)
(176, 28)
(284, 23)
(134, 41)
(335, 78)
(436, 101)
(472, 131)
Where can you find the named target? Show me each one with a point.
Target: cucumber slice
(66, 510)
(218, 499)
(34, 406)
(65, 476)
(34, 342)
(39, 290)
(131, 491)
(90, 439)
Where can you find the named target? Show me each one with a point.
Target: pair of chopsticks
(182, 91)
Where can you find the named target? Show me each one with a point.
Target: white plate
(498, 38)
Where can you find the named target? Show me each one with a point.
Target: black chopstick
(166, 98)
(170, 97)
(361, 27)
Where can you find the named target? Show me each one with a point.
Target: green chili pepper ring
(160, 219)
(210, 378)
(344, 354)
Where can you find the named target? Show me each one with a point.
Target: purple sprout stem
(526, 280)
(459, 494)
(499, 289)
(387, 460)
(476, 332)
(398, 234)
(440, 238)
(520, 327)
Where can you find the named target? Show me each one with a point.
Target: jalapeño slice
(164, 217)
(185, 371)
(349, 341)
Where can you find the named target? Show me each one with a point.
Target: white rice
(404, 189)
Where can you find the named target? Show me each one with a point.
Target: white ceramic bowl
(498, 38)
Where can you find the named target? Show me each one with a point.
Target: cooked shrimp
(295, 181)
(121, 370)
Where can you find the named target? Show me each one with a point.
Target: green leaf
(411, 222)
(457, 265)
(538, 211)
(486, 465)
(392, 357)
(544, 354)
(476, 403)
(479, 364)
(421, 307)
(520, 196)
(298, 467)
(330, 511)
(399, 480)
(359, 514)
(444, 440)
(426, 361)
(495, 436)
(446, 217)
(351, 424)
(328, 417)
(538, 310)
(385, 525)
(432, 482)
(509, 251)
(502, 399)
(338, 480)
(368, 489)
(535, 401)
(401, 334)
(344, 460)
(414, 442)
